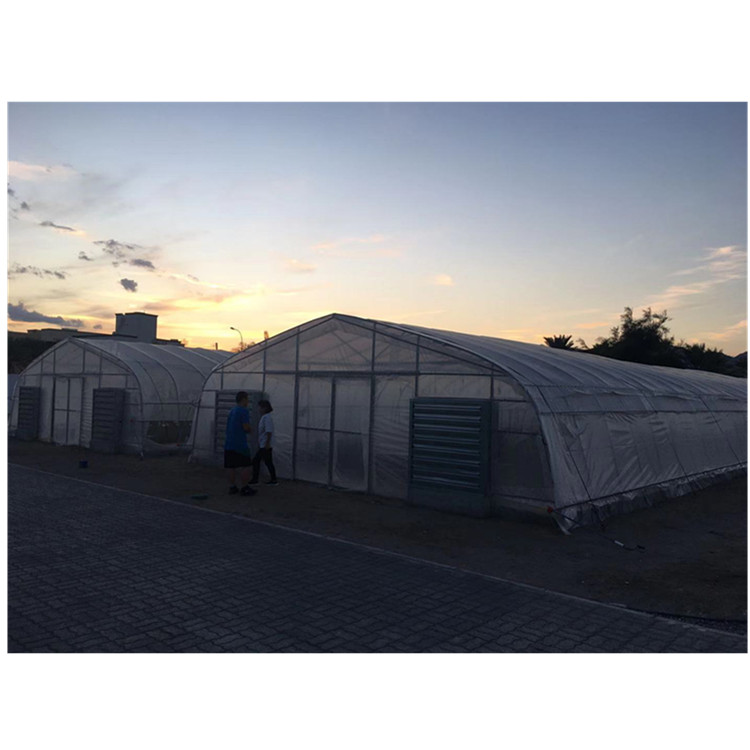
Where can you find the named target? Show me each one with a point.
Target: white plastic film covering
(242, 381)
(280, 392)
(162, 385)
(282, 355)
(312, 455)
(68, 360)
(616, 427)
(314, 409)
(570, 428)
(515, 416)
(351, 433)
(394, 355)
(455, 386)
(434, 357)
(244, 362)
(519, 466)
(390, 435)
(335, 345)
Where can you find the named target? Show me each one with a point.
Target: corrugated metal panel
(106, 430)
(450, 443)
(29, 401)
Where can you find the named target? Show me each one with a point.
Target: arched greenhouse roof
(165, 373)
(544, 366)
(540, 366)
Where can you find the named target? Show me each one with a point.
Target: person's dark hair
(240, 396)
(265, 404)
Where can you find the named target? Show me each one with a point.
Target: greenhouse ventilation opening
(112, 396)
(480, 425)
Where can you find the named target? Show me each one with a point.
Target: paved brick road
(94, 569)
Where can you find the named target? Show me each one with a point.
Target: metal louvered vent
(107, 419)
(29, 400)
(450, 443)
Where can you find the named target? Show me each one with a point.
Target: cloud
(297, 266)
(357, 247)
(719, 265)
(83, 256)
(442, 279)
(142, 263)
(129, 285)
(32, 172)
(722, 252)
(42, 273)
(194, 278)
(20, 313)
(11, 191)
(25, 206)
(57, 226)
(116, 248)
(727, 333)
(98, 327)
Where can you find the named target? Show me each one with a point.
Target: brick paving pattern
(95, 569)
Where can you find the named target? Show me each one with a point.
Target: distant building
(139, 326)
(135, 326)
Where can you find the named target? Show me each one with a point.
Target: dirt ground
(693, 561)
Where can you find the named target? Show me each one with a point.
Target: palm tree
(560, 341)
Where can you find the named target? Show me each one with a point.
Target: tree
(645, 340)
(561, 341)
(702, 357)
(23, 351)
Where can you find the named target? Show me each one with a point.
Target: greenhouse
(111, 395)
(480, 425)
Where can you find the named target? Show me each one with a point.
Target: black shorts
(235, 460)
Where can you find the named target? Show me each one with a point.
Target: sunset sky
(509, 220)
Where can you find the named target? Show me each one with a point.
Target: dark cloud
(142, 263)
(25, 206)
(129, 284)
(11, 191)
(34, 271)
(56, 226)
(20, 313)
(116, 248)
(83, 256)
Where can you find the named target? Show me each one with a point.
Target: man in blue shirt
(236, 450)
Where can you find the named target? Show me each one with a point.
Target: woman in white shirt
(265, 449)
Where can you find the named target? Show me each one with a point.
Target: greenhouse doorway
(68, 398)
(333, 428)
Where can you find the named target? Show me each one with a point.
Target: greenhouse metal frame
(397, 410)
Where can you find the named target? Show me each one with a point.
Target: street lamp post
(242, 341)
